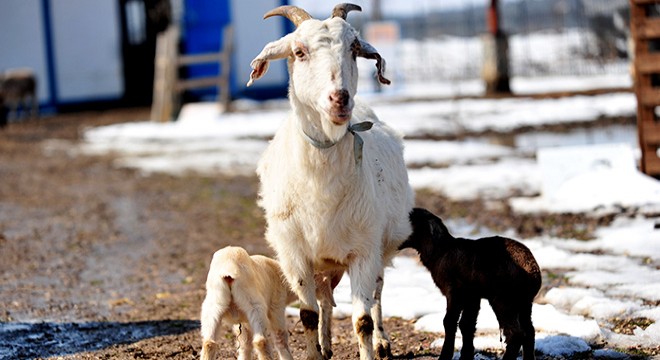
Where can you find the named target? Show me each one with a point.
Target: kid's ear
(278, 49)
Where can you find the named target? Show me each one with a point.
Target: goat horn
(341, 10)
(293, 13)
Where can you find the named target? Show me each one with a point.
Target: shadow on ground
(37, 340)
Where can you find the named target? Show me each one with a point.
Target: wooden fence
(167, 85)
(645, 29)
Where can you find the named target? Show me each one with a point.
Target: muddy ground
(104, 263)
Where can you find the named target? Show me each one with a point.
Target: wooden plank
(161, 107)
(157, 99)
(200, 58)
(651, 163)
(649, 96)
(171, 103)
(648, 28)
(167, 85)
(637, 14)
(198, 83)
(643, 29)
(651, 133)
(223, 58)
(224, 97)
(645, 116)
(648, 63)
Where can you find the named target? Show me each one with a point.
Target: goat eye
(299, 53)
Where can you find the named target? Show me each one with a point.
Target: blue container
(202, 33)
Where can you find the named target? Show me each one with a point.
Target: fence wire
(546, 38)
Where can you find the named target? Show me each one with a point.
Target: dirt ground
(104, 263)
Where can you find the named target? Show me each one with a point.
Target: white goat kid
(333, 200)
(246, 290)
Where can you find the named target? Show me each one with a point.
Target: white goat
(333, 200)
(246, 290)
(18, 88)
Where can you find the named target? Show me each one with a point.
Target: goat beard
(340, 118)
(333, 130)
(318, 123)
(340, 115)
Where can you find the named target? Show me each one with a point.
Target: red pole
(493, 18)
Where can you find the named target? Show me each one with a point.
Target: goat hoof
(316, 355)
(446, 355)
(326, 353)
(383, 351)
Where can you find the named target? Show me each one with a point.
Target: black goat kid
(501, 270)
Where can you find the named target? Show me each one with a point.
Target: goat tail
(218, 300)
(223, 275)
(228, 280)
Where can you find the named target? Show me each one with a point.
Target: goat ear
(278, 49)
(438, 228)
(367, 51)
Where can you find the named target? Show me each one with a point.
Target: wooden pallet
(167, 85)
(645, 29)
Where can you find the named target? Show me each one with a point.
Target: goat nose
(339, 97)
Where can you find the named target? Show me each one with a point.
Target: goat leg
(450, 323)
(324, 294)
(209, 350)
(528, 347)
(211, 317)
(468, 325)
(278, 324)
(259, 326)
(364, 274)
(243, 341)
(300, 275)
(525, 319)
(380, 340)
(508, 319)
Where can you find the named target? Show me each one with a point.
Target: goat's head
(322, 61)
(428, 230)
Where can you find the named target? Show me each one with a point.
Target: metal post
(493, 17)
(495, 70)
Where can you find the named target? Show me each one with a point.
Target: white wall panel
(252, 33)
(22, 43)
(87, 43)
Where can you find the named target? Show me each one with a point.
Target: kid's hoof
(327, 354)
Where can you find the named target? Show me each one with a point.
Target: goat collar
(358, 143)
